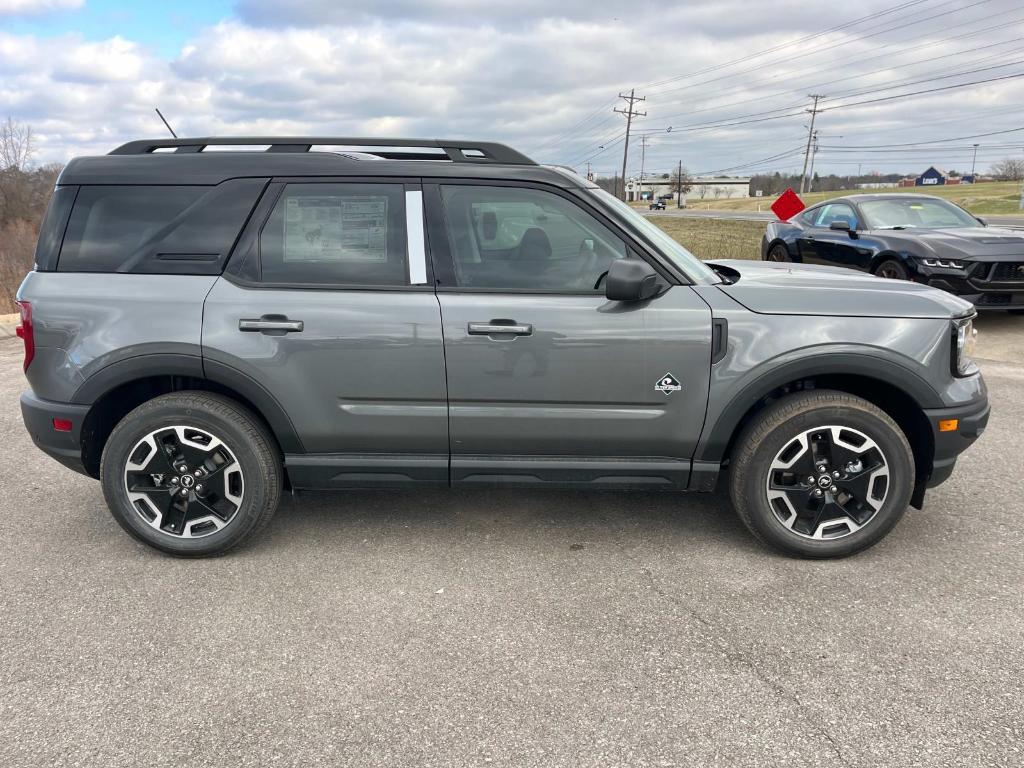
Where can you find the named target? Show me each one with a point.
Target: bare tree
(682, 183)
(16, 145)
(1009, 169)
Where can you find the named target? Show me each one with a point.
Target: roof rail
(457, 151)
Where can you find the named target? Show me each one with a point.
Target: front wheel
(821, 474)
(191, 473)
(892, 270)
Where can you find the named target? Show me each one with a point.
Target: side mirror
(842, 225)
(631, 280)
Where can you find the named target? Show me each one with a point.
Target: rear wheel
(191, 473)
(822, 474)
(778, 252)
(892, 270)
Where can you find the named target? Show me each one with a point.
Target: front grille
(1007, 271)
(995, 298)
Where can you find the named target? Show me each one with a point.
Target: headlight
(944, 263)
(964, 336)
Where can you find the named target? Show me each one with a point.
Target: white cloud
(30, 7)
(545, 84)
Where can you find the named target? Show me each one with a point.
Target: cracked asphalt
(521, 628)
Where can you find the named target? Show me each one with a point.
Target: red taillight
(25, 332)
(62, 425)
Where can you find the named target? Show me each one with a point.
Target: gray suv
(207, 325)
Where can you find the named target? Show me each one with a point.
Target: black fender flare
(193, 366)
(714, 446)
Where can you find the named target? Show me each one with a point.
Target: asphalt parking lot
(515, 628)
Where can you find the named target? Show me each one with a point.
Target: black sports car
(907, 237)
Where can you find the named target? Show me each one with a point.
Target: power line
(798, 42)
(928, 141)
(929, 90)
(802, 55)
(895, 9)
(782, 46)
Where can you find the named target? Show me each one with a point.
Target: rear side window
(336, 234)
(156, 229)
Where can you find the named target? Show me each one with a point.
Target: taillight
(25, 332)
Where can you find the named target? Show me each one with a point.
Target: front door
(327, 307)
(823, 245)
(548, 381)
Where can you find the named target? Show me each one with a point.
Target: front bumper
(65, 447)
(987, 285)
(972, 418)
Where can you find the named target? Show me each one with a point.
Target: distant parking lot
(515, 627)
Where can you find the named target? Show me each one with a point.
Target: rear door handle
(268, 323)
(500, 326)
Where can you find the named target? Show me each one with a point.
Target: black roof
(189, 161)
(859, 198)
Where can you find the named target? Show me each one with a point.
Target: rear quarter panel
(84, 322)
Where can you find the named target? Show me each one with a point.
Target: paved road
(512, 628)
(1016, 222)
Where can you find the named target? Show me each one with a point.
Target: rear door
(327, 306)
(548, 381)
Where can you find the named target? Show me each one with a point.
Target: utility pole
(810, 135)
(974, 161)
(630, 113)
(643, 159)
(814, 154)
(590, 176)
(679, 186)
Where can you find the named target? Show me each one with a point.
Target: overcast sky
(730, 78)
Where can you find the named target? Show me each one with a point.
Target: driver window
(836, 212)
(526, 239)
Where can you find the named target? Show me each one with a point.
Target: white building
(702, 188)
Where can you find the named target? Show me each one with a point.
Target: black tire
(892, 270)
(778, 252)
(1016, 311)
(256, 469)
(776, 430)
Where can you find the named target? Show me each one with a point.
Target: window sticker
(336, 229)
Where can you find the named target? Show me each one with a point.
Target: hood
(775, 288)
(977, 243)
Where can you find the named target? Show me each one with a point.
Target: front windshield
(915, 212)
(679, 256)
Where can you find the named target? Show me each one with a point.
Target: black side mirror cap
(842, 225)
(631, 280)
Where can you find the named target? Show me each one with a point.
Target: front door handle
(495, 327)
(271, 323)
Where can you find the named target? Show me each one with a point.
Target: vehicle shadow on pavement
(573, 519)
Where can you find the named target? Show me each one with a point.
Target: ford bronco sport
(205, 328)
